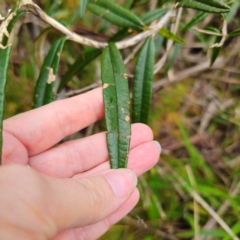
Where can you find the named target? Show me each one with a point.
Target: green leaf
(11, 25)
(83, 4)
(128, 4)
(4, 62)
(173, 56)
(85, 59)
(169, 35)
(215, 52)
(215, 3)
(234, 9)
(115, 14)
(92, 54)
(212, 6)
(142, 83)
(79, 64)
(235, 33)
(116, 105)
(43, 93)
(153, 15)
(200, 16)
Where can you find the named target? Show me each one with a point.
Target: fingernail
(122, 181)
(158, 145)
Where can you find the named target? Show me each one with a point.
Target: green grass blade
(44, 88)
(4, 62)
(115, 14)
(205, 6)
(197, 161)
(116, 104)
(142, 84)
(83, 5)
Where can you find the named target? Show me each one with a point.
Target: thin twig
(158, 66)
(224, 36)
(188, 72)
(153, 4)
(214, 106)
(206, 32)
(139, 223)
(36, 10)
(79, 91)
(133, 53)
(3, 28)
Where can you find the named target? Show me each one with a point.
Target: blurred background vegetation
(195, 116)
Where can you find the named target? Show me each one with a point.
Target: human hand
(69, 192)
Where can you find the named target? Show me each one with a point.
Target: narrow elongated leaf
(169, 35)
(234, 9)
(153, 15)
(235, 33)
(12, 23)
(4, 62)
(200, 16)
(92, 54)
(215, 52)
(173, 57)
(128, 4)
(85, 59)
(44, 88)
(215, 3)
(115, 14)
(202, 6)
(116, 104)
(79, 64)
(142, 85)
(40, 45)
(83, 4)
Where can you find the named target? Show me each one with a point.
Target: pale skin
(69, 191)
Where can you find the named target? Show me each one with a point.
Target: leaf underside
(116, 104)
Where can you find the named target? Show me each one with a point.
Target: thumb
(85, 201)
(43, 206)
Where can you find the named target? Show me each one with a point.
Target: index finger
(41, 128)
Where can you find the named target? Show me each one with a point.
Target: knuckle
(98, 196)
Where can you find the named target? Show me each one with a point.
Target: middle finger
(73, 157)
